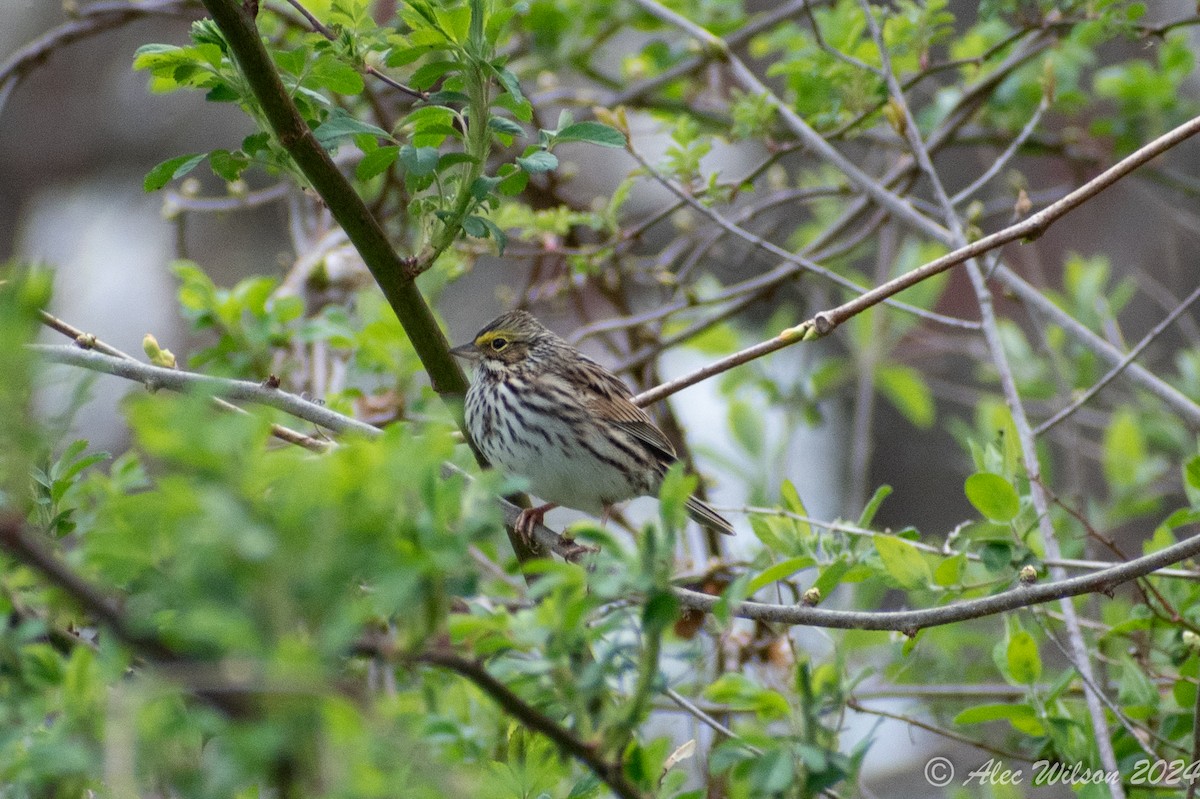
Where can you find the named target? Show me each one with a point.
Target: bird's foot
(572, 550)
(529, 519)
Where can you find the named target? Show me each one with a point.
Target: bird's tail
(705, 516)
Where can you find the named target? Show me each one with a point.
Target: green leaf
(780, 571)
(772, 773)
(993, 496)
(429, 74)
(1124, 449)
(747, 426)
(660, 611)
(792, 501)
(996, 556)
(340, 125)
(419, 161)
(831, 576)
(498, 235)
(1191, 480)
(1022, 717)
(591, 132)
(903, 562)
(450, 159)
(328, 72)
(226, 165)
(482, 186)
(907, 390)
(1135, 688)
(538, 161)
(171, 169)
(1024, 663)
(509, 82)
(505, 126)
(376, 162)
(950, 571)
(868, 515)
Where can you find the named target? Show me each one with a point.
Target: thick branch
(392, 273)
(363, 229)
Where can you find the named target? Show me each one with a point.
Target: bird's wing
(610, 399)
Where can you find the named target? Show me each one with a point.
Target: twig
(155, 377)
(701, 715)
(1005, 156)
(825, 322)
(1173, 397)
(91, 19)
(324, 30)
(791, 257)
(1093, 696)
(610, 772)
(686, 67)
(89, 342)
(25, 547)
(850, 529)
(748, 81)
(1120, 366)
(854, 704)
(911, 621)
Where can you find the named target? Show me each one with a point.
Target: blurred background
(79, 131)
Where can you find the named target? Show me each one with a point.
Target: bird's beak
(466, 351)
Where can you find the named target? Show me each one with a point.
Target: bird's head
(508, 339)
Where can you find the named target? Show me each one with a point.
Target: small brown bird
(540, 409)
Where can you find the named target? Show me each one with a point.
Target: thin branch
(1173, 397)
(1112, 374)
(790, 257)
(1093, 696)
(825, 322)
(689, 65)
(690, 707)
(854, 704)
(156, 377)
(610, 772)
(748, 81)
(907, 621)
(89, 342)
(17, 540)
(391, 272)
(850, 529)
(324, 30)
(1005, 156)
(90, 20)
(912, 621)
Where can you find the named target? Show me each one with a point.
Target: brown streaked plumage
(540, 409)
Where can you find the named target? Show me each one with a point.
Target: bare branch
(911, 621)
(156, 377)
(1120, 366)
(826, 321)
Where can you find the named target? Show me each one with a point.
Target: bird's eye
(499, 344)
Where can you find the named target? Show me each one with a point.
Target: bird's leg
(530, 518)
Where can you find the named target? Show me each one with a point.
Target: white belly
(551, 458)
